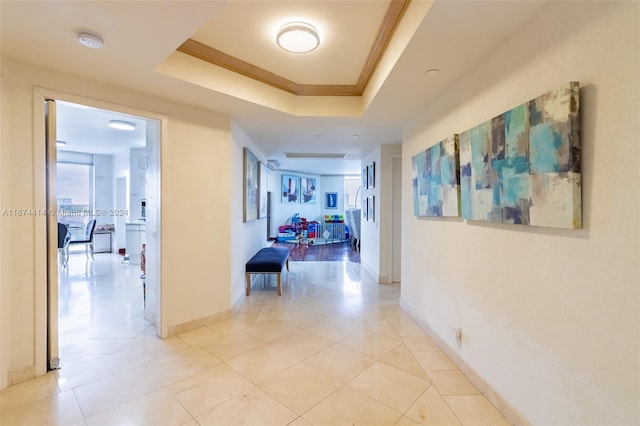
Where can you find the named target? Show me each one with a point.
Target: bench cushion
(268, 259)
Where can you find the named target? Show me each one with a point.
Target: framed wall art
(307, 190)
(365, 203)
(371, 208)
(523, 167)
(371, 175)
(435, 176)
(290, 188)
(250, 186)
(262, 190)
(364, 183)
(331, 200)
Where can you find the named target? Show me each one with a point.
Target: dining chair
(87, 239)
(63, 240)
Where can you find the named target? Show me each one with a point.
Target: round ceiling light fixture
(90, 40)
(122, 125)
(298, 37)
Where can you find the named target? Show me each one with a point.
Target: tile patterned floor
(335, 349)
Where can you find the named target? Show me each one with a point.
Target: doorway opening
(104, 185)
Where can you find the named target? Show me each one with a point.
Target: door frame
(395, 240)
(43, 262)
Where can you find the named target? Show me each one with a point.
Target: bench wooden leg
(287, 263)
(279, 285)
(248, 284)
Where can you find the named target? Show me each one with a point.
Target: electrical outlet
(459, 335)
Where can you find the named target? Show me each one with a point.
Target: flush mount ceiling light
(122, 125)
(60, 144)
(90, 40)
(298, 37)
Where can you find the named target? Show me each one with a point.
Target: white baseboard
(197, 323)
(505, 408)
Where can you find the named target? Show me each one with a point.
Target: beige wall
(4, 290)
(370, 231)
(375, 248)
(246, 238)
(196, 168)
(550, 318)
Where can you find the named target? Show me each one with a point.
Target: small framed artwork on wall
(290, 188)
(262, 190)
(365, 173)
(331, 200)
(250, 186)
(371, 208)
(307, 190)
(371, 175)
(365, 203)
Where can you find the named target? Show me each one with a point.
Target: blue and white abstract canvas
(436, 179)
(523, 167)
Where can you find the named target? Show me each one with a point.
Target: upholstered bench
(268, 260)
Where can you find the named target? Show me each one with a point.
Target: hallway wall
(196, 157)
(245, 238)
(376, 239)
(549, 317)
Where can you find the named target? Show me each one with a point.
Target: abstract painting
(262, 190)
(250, 186)
(290, 189)
(523, 167)
(308, 190)
(436, 179)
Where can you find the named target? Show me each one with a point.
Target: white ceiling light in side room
(90, 40)
(298, 37)
(122, 125)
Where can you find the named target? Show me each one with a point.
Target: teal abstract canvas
(436, 180)
(523, 167)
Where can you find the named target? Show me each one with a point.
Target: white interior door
(153, 281)
(53, 360)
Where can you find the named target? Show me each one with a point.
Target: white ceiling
(140, 36)
(86, 129)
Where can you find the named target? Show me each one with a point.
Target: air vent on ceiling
(273, 164)
(314, 155)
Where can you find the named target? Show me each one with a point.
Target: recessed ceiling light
(90, 40)
(122, 125)
(432, 71)
(298, 37)
(356, 136)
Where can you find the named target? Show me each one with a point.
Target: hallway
(335, 349)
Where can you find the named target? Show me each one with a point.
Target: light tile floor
(335, 349)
